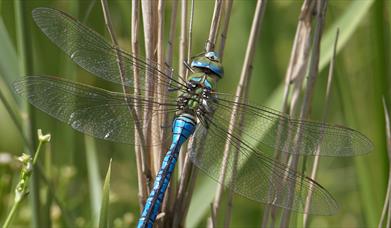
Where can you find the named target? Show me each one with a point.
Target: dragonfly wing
(256, 176)
(92, 52)
(270, 130)
(90, 110)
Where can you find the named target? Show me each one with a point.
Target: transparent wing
(92, 52)
(267, 129)
(93, 111)
(257, 177)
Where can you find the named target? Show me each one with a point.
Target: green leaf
(347, 24)
(8, 58)
(9, 70)
(95, 182)
(104, 210)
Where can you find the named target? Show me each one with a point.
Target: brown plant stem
(236, 118)
(143, 187)
(131, 108)
(305, 108)
(186, 170)
(169, 198)
(246, 71)
(224, 31)
(182, 69)
(189, 173)
(149, 24)
(295, 73)
(315, 164)
(211, 42)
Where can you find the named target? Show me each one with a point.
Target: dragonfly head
(210, 61)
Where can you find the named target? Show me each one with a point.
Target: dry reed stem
(315, 164)
(224, 31)
(387, 203)
(295, 73)
(211, 42)
(186, 177)
(143, 187)
(182, 69)
(305, 108)
(150, 45)
(190, 35)
(168, 200)
(236, 118)
(131, 108)
(157, 119)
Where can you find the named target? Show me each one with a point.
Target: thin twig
(182, 69)
(211, 42)
(236, 118)
(143, 188)
(295, 72)
(243, 84)
(183, 187)
(161, 87)
(325, 114)
(148, 13)
(190, 36)
(122, 72)
(386, 207)
(223, 35)
(168, 200)
(186, 169)
(305, 108)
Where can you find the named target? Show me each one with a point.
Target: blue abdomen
(183, 127)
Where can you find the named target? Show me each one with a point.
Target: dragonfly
(199, 112)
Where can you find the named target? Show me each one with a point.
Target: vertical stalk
(223, 35)
(190, 36)
(211, 42)
(295, 72)
(182, 69)
(325, 114)
(25, 55)
(387, 203)
(94, 180)
(189, 173)
(168, 202)
(305, 108)
(150, 45)
(155, 123)
(122, 72)
(236, 118)
(186, 168)
(162, 87)
(140, 156)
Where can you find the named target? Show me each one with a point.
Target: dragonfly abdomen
(183, 127)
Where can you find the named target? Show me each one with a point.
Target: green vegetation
(69, 188)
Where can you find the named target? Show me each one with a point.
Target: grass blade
(93, 178)
(104, 210)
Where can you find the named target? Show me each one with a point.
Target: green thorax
(201, 89)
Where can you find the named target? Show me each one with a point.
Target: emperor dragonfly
(199, 112)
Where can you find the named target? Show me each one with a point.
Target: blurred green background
(362, 78)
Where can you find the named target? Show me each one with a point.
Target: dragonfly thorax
(199, 98)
